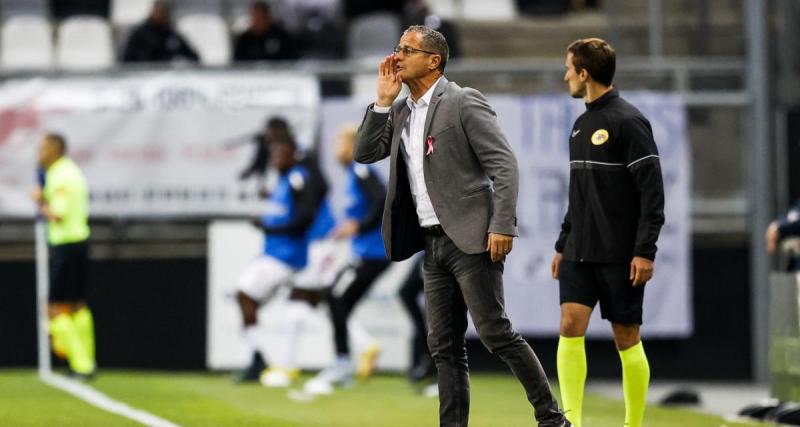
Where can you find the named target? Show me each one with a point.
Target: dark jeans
(456, 282)
(345, 296)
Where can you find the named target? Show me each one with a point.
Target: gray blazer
(471, 176)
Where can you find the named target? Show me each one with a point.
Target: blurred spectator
(265, 39)
(156, 40)
(318, 24)
(548, 7)
(354, 8)
(61, 9)
(302, 15)
(417, 12)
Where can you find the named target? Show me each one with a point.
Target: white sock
(342, 360)
(295, 312)
(360, 339)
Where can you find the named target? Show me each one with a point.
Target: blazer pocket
(475, 190)
(447, 128)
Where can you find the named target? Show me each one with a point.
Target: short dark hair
(58, 141)
(277, 122)
(595, 56)
(261, 6)
(433, 41)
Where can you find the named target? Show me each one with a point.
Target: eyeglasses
(407, 50)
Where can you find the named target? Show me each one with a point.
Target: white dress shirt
(413, 138)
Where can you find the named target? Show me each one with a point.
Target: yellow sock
(571, 363)
(84, 323)
(57, 339)
(76, 352)
(635, 379)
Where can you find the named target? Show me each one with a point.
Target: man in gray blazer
(453, 193)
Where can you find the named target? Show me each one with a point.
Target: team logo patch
(599, 137)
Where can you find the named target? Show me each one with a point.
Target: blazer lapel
(402, 117)
(437, 94)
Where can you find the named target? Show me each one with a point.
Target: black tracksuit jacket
(616, 193)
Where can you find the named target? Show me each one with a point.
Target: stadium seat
(488, 10)
(209, 35)
(26, 42)
(126, 13)
(373, 35)
(84, 43)
(238, 15)
(9, 8)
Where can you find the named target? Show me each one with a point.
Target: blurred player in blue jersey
(287, 227)
(362, 227)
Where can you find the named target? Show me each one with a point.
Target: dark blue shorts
(68, 267)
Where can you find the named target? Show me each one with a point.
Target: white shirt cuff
(381, 110)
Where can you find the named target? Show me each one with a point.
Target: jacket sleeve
(495, 155)
(374, 138)
(374, 190)
(239, 48)
(644, 165)
(566, 226)
(134, 47)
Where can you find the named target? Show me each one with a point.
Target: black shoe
(82, 377)
(252, 372)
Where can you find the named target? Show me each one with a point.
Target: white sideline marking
(100, 400)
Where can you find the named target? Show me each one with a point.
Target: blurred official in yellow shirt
(64, 202)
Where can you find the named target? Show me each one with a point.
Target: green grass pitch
(202, 399)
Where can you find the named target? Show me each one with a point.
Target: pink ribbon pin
(430, 141)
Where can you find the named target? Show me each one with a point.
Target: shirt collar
(603, 100)
(426, 99)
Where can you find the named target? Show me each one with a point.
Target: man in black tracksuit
(607, 244)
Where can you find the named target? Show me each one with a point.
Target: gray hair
(433, 41)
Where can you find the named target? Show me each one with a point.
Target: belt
(434, 230)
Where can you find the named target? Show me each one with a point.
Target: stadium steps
(548, 36)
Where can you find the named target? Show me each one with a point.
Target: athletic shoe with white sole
(278, 377)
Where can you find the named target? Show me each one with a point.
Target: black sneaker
(252, 372)
(82, 377)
